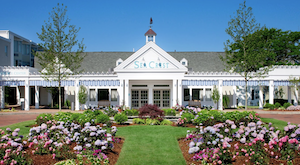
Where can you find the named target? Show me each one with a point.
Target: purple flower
(92, 134)
(97, 142)
(14, 133)
(17, 130)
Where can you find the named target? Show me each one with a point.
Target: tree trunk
(246, 97)
(59, 96)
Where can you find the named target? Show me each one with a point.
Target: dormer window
(119, 61)
(184, 62)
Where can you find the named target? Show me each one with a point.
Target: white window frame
(184, 61)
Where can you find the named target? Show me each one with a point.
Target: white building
(149, 75)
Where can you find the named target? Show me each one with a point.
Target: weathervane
(151, 21)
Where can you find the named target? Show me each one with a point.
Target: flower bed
(54, 141)
(242, 143)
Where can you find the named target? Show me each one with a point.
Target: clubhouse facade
(149, 76)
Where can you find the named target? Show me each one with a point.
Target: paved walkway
(7, 118)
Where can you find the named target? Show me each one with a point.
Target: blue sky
(120, 25)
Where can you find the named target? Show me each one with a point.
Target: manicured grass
(276, 123)
(151, 145)
(24, 129)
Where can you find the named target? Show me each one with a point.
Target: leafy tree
(59, 59)
(216, 95)
(247, 52)
(82, 94)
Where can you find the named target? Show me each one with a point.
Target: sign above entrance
(151, 64)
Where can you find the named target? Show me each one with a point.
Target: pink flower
(237, 153)
(1, 162)
(219, 162)
(53, 156)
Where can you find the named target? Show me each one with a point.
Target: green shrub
(166, 122)
(120, 118)
(152, 122)
(169, 112)
(138, 121)
(188, 117)
(110, 111)
(132, 112)
(102, 118)
(271, 106)
(43, 118)
(277, 105)
(68, 103)
(286, 105)
(75, 117)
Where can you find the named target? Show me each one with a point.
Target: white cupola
(150, 36)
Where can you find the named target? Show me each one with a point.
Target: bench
(195, 103)
(103, 103)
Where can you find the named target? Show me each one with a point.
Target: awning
(100, 82)
(242, 83)
(51, 83)
(283, 83)
(10, 83)
(200, 82)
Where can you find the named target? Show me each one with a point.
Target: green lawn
(151, 145)
(276, 123)
(24, 127)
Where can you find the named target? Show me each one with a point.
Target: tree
(285, 45)
(82, 94)
(216, 95)
(247, 53)
(59, 59)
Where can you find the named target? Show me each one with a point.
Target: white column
(37, 97)
(174, 91)
(76, 95)
(220, 86)
(261, 97)
(289, 95)
(234, 96)
(296, 95)
(27, 96)
(271, 92)
(150, 94)
(204, 95)
(66, 91)
(121, 93)
(109, 94)
(179, 90)
(2, 94)
(127, 93)
(191, 93)
(18, 95)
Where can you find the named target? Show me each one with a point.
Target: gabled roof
(150, 32)
(150, 58)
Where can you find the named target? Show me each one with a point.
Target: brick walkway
(7, 118)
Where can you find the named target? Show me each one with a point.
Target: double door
(161, 98)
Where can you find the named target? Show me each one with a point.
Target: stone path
(7, 118)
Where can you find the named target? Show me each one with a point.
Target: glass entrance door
(161, 98)
(139, 98)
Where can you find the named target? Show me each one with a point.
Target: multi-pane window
(93, 95)
(197, 94)
(114, 95)
(135, 98)
(208, 95)
(186, 94)
(161, 98)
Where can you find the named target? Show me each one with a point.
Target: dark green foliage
(152, 111)
(102, 118)
(277, 105)
(110, 111)
(213, 117)
(225, 101)
(169, 112)
(188, 117)
(286, 105)
(270, 106)
(82, 94)
(68, 103)
(43, 118)
(120, 118)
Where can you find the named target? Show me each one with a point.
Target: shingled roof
(198, 61)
